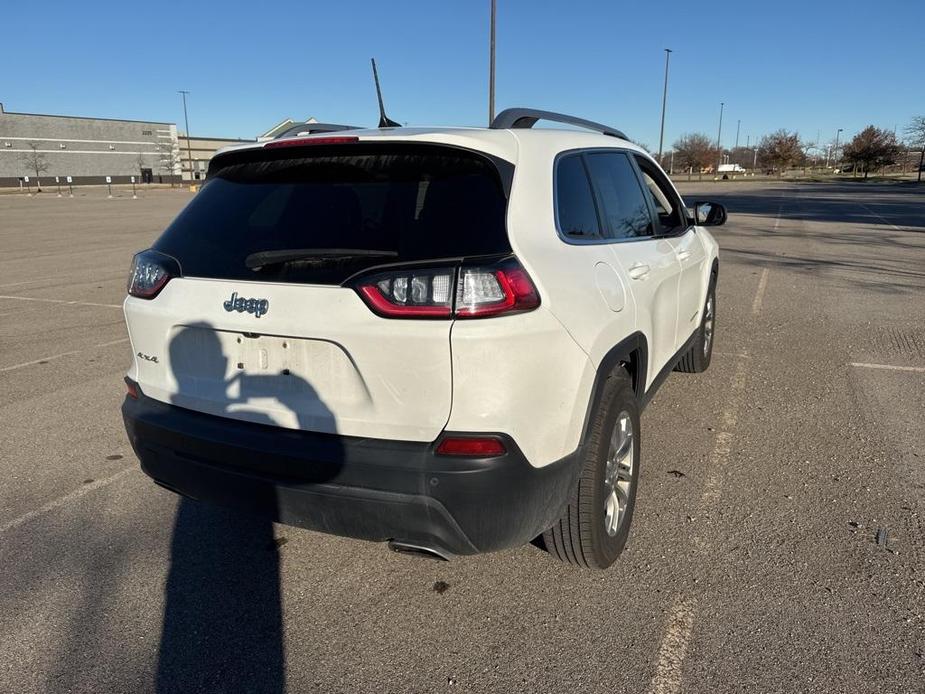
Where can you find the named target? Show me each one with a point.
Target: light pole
(835, 151)
(738, 125)
(189, 147)
(719, 135)
(661, 135)
(491, 66)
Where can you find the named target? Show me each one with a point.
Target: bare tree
(695, 151)
(35, 161)
(142, 162)
(872, 148)
(169, 158)
(915, 132)
(779, 151)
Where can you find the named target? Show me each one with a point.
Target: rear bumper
(370, 489)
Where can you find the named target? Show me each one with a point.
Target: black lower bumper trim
(370, 489)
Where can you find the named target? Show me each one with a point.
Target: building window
(62, 146)
(146, 132)
(112, 146)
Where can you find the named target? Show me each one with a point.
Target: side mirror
(709, 214)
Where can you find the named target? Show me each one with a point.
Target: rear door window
(348, 207)
(624, 207)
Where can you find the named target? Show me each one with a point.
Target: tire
(697, 358)
(589, 534)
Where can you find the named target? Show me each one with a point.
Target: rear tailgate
(288, 344)
(318, 360)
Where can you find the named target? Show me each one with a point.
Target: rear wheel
(697, 358)
(594, 528)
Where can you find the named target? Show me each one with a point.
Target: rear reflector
(303, 141)
(472, 446)
(131, 388)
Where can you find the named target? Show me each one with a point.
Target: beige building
(200, 150)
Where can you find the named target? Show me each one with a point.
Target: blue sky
(811, 66)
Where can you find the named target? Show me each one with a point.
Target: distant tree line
(872, 149)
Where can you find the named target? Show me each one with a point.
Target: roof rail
(527, 117)
(312, 128)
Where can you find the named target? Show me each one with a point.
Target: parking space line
(19, 284)
(59, 301)
(61, 501)
(673, 647)
(41, 360)
(888, 367)
(759, 294)
(881, 218)
(671, 653)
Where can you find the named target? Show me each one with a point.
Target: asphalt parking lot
(778, 543)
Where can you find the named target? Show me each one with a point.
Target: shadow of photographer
(223, 622)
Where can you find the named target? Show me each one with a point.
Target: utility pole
(719, 134)
(835, 151)
(189, 147)
(491, 65)
(738, 125)
(661, 135)
(921, 162)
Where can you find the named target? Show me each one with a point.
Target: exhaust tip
(417, 551)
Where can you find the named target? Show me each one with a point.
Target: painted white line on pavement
(59, 301)
(888, 367)
(19, 284)
(671, 653)
(58, 356)
(777, 220)
(61, 501)
(38, 361)
(723, 445)
(874, 214)
(673, 648)
(759, 295)
(113, 342)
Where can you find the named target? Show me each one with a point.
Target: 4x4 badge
(256, 306)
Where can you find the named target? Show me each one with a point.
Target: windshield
(397, 202)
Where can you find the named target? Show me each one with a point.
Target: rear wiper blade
(255, 261)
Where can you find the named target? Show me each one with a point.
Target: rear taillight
(150, 272)
(465, 291)
(410, 293)
(488, 291)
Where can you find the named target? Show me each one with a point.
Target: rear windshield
(390, 204)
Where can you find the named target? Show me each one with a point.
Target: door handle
(684, 255)
(639, 271)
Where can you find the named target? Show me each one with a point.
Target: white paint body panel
(529, 375)
(351, 372)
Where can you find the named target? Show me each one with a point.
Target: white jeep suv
(437, 337)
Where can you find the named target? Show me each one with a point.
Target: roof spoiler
(312, 128)
(526, 118)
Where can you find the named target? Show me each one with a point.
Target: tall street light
(491, 66)
(719, 134)
(738, 125)
(189, 148)
(835, 150)
(661, 136)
